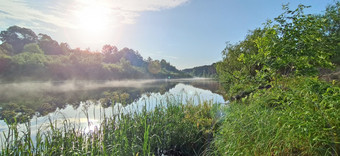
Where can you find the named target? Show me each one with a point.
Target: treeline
(27, 56)
(202, 71)
(279, 103)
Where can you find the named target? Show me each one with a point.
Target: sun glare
(93, 19)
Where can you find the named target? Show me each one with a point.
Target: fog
(65, 86)
(36, 88)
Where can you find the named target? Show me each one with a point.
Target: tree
(28, 64)
(29, 59)
(32, 48)
(48, 45)
(65, 48)
(108, 52)
(234, 71)
(109, 49)
(332, 17)
(149, 59)
(168, 66)
(6, 49)
(132, 56)
(18, 37)
(271, 76)
(154, 67)
(295, 44)
(4, 62)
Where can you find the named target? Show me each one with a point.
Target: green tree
(332, 27)
(65, 48)
(49, 46)
(237, 74)
(294, 44)
(26, 58)
(32, 48)
(6, 49)
(154, 67)
(18, 37)
(272, 80)
(297, 44)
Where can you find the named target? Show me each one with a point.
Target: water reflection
(83, 103)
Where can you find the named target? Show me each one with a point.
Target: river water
(87, 102)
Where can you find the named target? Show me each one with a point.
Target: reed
(172, 127)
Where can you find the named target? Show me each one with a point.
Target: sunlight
(93, 127)
(93, 18)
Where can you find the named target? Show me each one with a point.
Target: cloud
(21, 11)
(146, 5)
(57, 13)
(136, 5)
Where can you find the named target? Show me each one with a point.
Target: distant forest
(27, 56)
(202, 71)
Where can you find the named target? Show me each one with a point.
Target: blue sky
(187, 33)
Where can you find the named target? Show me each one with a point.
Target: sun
(93, 18)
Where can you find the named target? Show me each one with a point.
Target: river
(87, 102)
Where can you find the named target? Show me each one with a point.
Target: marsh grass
(171, 128)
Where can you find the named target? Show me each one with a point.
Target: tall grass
(299, 116)
(171, 128)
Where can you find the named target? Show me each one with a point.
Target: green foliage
(32, 48)
(6, 49)
(29, 59)
(18, 37)
(49, 46)
(167, 66)
(25, 56)
(294, 44)
(154, 67)
(297, 44)
(297, 116)
(332, 16)
(5, 61)
(202, 71)
(236, 72)
(27, 65)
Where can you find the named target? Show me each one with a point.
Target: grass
(171, 128)
(297, 116)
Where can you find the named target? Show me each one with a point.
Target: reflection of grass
(171, 128)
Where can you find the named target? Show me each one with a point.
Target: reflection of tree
(213, 86)
(136, 93)
(48, 101)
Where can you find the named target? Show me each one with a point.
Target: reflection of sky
(2, 125)
(181, 93)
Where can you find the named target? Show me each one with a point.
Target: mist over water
(74, 85)
(87, 95)
(13, 90)
(69, 99)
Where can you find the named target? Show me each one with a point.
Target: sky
(187, 33)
